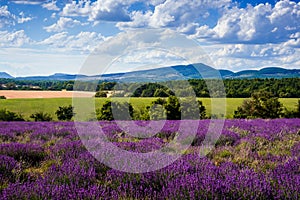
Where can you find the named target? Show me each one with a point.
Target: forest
(234, 88)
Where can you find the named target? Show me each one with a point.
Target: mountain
(5, 75)
(177, 72)
(269, 72)
(198, 71)
(54, 77)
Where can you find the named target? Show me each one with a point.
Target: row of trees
(170, 108)
(12, 84)
(261, 105)
(234, 88)
(64, 113)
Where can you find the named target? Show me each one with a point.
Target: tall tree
(261, 105)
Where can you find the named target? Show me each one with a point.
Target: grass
(28, 106)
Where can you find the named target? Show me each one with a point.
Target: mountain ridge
(176, 72)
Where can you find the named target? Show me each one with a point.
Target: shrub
(189, 108)
(2, 97)
(6, 115)
(115, 111)
(101, 94)
(41, 116)
(65, 113)
(261, 105)
(192, 109)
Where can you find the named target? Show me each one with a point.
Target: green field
(28, 106)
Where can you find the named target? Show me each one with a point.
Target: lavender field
(253, 159)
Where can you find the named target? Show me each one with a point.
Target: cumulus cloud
(9, 19)
(22, 19)
(108, 10)
(257, 24)
(51, 6)
(62, 24)
(6, 18)
(105, 10)
(294, 40)
(252, 56)
(13, 39)
(83, 42)
(175, 13)
(81, 8)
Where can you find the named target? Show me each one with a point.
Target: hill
(177, 72)
(5, 75)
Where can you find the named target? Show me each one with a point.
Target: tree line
(234, 88)
(261, 105)
(170, 108)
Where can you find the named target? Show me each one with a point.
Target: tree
(101, 94)
(261, 105)
(41, 116)
(157, 109)
(115, 111)
(6, 115)
(160, 92)
(171, 109)
(191, 108)
(65, 112)
(107, 86)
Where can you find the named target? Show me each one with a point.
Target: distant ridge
(5, 75)
(177, 72)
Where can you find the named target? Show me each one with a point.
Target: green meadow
(28, 106)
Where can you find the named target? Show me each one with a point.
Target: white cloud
(84, 42)
(246, 56)
(81, 8)
(100, 10)
(259, 24)
(53, 15)
(13, 39)
(51, 6)
(108, 10)
(62, 24)
(23, 19)
(294, 40)
(175, 13)
(6, 18)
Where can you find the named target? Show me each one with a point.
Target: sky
(43, 37)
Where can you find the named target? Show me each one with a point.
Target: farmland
(22, 94)
(27, 106)
(253, 159)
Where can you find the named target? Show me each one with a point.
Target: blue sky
(41, 37)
